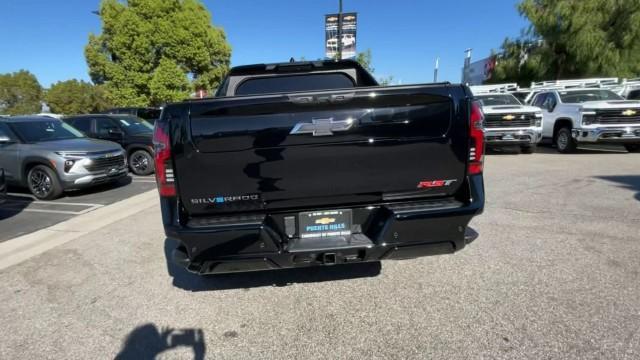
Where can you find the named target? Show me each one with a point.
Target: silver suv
(48, 156)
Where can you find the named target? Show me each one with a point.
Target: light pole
(340, 31)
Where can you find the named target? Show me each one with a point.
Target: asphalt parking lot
(22, 213)
(554, 274)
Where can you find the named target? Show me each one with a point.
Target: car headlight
(538, 119)
(588, 118)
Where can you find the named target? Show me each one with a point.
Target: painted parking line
(47, 206)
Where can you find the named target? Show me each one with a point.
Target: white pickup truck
(588, 115)
(507, 122)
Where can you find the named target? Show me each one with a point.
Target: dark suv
(148, 113)
(133, 133)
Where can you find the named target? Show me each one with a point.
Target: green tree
(75, 97)
(569, 38)
(154, 51)
(20, 93)
(364, 58)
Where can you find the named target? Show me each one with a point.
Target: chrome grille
(501, 120)
(106, 163)
(616, 116)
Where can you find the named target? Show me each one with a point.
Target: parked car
(49, 156)
(133, 133)
(3, 187)
(509, 123)
(582, 115)
(315, 164)
(148, 113)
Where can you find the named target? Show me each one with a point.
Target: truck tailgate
(269, 152)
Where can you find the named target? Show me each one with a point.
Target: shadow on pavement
(503, 150)
(587, 150)
(191, 282)
(13, 206)
(631, 182)
(147, 342)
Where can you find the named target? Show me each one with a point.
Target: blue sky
(47, 37)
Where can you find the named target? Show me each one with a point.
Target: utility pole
(340, 31)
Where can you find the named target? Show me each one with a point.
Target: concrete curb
(24, 247)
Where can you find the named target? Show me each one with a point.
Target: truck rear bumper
(506, 137)
(622, 134)
(383, 231)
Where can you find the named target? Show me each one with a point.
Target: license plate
(508, 137)
(326, 223)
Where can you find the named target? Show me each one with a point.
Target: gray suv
(48, 156)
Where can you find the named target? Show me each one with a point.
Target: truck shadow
(187, 281)
(630, 182)
(583, 150)
(147, 342)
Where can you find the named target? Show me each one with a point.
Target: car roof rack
(493, 89)
(575, 84)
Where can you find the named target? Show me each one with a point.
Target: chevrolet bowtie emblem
(325, 221)
(508, 117)
(322, 127)
(629, 112)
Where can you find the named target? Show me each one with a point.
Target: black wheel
(141, 163)
(632, 147)
(43, 183)
(564, 141)
(528, 149)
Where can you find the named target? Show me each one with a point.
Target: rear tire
(43, 183)
(141, 163)
(528, 149)
(564, 141)
(632, 148)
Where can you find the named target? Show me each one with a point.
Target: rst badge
(428, 184)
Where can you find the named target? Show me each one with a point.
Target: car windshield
(134, 125)
(45, 130)
(580, 96)
(493, 100)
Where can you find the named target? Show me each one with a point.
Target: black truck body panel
(246, 167)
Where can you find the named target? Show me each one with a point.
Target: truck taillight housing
(476, 135)
(164, 170)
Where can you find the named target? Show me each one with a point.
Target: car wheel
(632, 148)
(528, 149)
(141, 163)
(564, 141)
(43, 183)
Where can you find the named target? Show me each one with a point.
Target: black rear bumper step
(388, 231)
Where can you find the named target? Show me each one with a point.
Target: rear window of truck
(292, 83)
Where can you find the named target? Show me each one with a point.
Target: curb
(24, 247)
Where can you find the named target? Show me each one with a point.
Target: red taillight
(476, 133)
(162, 158)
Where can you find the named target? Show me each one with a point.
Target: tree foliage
(154, 51)
(20, 93)
(75, 97)
(364, 59)
(569, 38)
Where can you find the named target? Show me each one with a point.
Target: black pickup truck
(313, 163)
